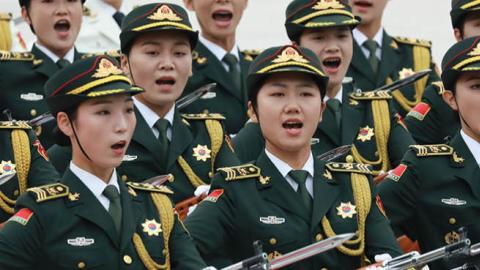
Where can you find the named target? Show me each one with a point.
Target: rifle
(473, 258)
(181, 103)
(260, 262)
(414, 259)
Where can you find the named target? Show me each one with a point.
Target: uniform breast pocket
(91, 258)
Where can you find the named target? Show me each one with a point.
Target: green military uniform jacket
(360, 126)
(432, 120)
(23, 156)
(63, 226)
(191, 159)
(255, 202)
(433, 193)
(225, 98)
(400, 56)
(22, 77)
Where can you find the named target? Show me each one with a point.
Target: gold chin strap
(167, 218)
(363, 200)
(22, 156)
(421, 61)
(381, 118)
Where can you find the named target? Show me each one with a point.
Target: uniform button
(349, 159)
(324, 268)
(16, 193)
(210, 175)
(164, 252)
(33, 112)
(452, 221)
(124, 178)
(318, 237)
(206, 111)
(81, 265)
(127, 259)
(273, 241)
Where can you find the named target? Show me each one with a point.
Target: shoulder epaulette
(414, 41)
(439, 86)
(370, 95)
(112, 53)
(349, 167)
(16, 56)
(4, 16)
(49, 192)
(149, 187)
(249, 55)
(14, 125)
(432, 150)
(239, 172)
(196, 57)
(203, 116)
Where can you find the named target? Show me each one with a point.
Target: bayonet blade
(335, 153)
(200, 92)
(405, 81)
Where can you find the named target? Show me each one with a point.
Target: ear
(125, 65)
(64, 125)
(251, 113)
(458, 34)
(25, 16)
(449, 98)
(189, 4)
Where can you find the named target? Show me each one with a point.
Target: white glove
(209, 268)
(379, 258)
(202, 189)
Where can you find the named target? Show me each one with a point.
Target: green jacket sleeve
(41, 170)
(249, 142)
(400, 139)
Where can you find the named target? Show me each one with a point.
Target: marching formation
(130, 140)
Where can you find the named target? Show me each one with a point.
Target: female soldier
(157, 42)
(287, 198)
(91, 219)
(362, 119)
(434, 191)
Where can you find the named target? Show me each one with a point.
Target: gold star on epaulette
(457, 158)
(328, 175)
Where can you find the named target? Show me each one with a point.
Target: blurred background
(262, 23)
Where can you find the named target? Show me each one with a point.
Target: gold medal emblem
(105, 69)
(365, 134)
(201, 152)
(7, 167)
(346, 210)
(405, 72)
(151, 227)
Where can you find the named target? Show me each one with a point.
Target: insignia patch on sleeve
(420, 111)
(214, 195)
(397, 173)
(22, 217)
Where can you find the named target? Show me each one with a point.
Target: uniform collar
(92, 182)
(218, 51)
(70, 56)
(150, 116)
(338, 96)
(472, 145)
(360, 38)
(284, 168)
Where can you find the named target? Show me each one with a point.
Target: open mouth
(332, 62)
(292, 125)
(119, 145)
(165, 81)
(62, 26)
(222, 15)
(363, 4)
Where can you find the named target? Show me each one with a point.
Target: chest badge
(31, 97)
(129, 157)
(365, 134)
(272, 220)
(151, 227)
(346, 210)
(81, 242)
(7, 167)
(454, 201)
(201, 152)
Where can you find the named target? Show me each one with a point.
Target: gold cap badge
(290, 54)
(106, 68)
(164, 12)
(325, 4)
